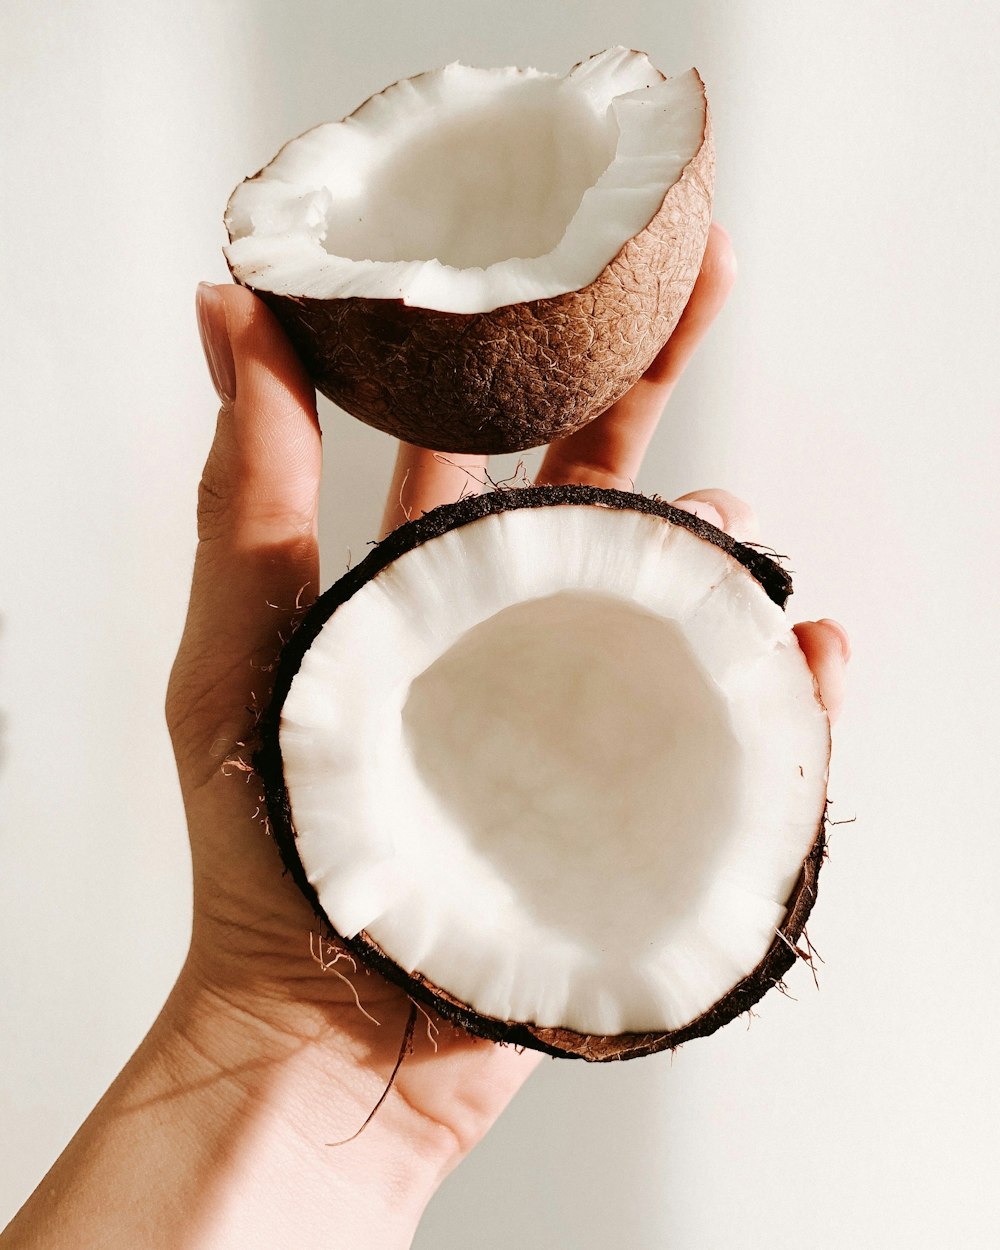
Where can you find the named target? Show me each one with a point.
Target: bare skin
(216, 1133)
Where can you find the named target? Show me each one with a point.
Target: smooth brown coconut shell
(564, 1043)
(523, 374)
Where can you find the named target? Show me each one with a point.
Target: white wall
(850, 390)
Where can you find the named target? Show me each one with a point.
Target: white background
(850, 390)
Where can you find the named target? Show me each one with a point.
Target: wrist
(299, 1080)
(215, 1135)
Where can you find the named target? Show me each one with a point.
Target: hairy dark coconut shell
(520, 375)
(564, 1043)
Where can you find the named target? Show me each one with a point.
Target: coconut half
(482, 260)
(552, 760)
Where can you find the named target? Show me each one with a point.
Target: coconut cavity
(596, 792)
(465, 189)
(500, 174)
(560, 765)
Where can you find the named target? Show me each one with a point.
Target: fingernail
(698, 508)
(841, 632)
(215, 341)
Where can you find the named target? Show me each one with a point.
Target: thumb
(257, 562)
(261, 480)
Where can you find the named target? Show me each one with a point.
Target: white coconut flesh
(466, 189)
(563, 762)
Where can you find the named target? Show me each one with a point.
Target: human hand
(256, 568)
(214, 1133)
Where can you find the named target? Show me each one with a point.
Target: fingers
(715, 281)
(257, 561)
(724, 510)
(827, 650)
(824, 643)
(609, 451)
(423, 479)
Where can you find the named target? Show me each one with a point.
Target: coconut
(552, 760)
(483, 260)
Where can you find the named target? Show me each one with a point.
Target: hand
(257, 564)
(215, 1132)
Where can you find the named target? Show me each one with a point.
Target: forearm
(216, 1135)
